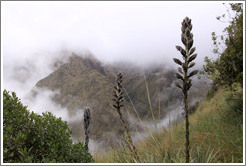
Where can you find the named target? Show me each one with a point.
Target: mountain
(85, 81)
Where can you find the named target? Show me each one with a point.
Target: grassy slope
(216, 135)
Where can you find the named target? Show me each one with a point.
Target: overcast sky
(143, 32)
(110, 30)
(123, 30)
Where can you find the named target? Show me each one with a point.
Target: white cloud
(111, 30)
(34, 33)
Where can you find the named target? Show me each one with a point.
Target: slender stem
(187, 40)
(187, 129)
(87, 118)
(134, 108)
(131, 147)
(150, 105)
(185, 82)
(159, 109)
(118, 99)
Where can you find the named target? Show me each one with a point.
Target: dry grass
(212, 139)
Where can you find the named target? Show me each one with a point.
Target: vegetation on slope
(84, 81)
(28, 137)
(216, 128)
(215, 133)
(227, 68)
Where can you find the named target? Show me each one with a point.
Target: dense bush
(228, 67)
(28, 137)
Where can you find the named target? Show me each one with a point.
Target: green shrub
(227, 68)
(28, 137)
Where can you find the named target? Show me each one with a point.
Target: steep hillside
(84, 81)
(216, 135)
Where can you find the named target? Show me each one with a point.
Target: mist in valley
(41, 100)
(39, 37)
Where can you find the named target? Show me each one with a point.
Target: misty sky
(110, 30)
(34, 34)
(144, 31)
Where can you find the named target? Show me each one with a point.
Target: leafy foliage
(228, 67)
(28, 137)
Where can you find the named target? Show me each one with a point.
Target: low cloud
(39, 37)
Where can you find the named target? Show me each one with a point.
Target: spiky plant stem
(187, 40)
(87, 118)
(118, 103)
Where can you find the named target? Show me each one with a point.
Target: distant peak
(83, 55)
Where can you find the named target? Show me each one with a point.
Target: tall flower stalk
(118, 103)
(87, 119)
(184, 75)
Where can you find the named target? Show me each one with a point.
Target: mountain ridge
(85, 81)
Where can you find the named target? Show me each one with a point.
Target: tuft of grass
(150, 105)
(216, 130)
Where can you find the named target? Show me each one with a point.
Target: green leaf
(11, 154)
